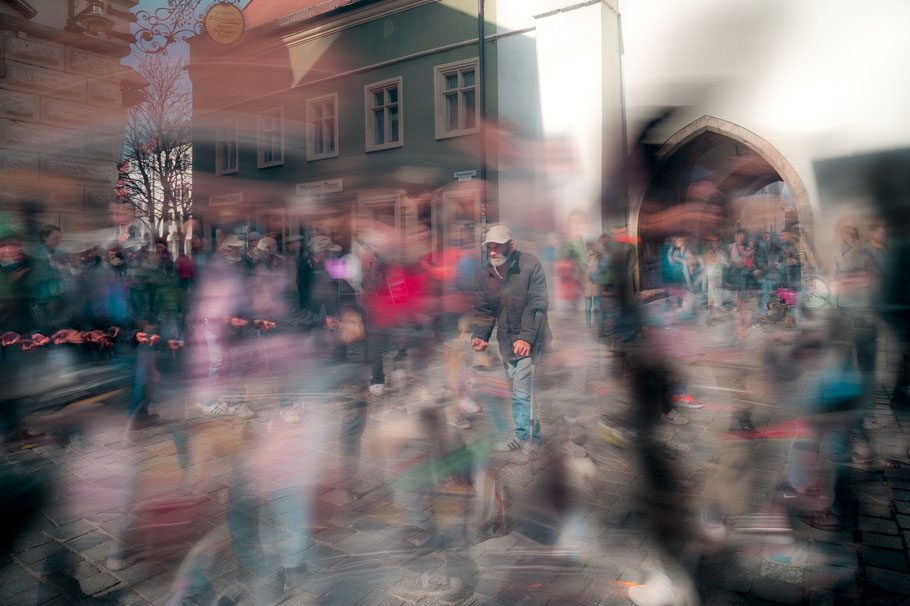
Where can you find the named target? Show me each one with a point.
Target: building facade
(390, 112)
(63, 100)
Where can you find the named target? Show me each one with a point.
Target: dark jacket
(17, 289)
(517, 301)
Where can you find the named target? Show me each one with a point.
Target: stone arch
(760, 146)
(708, 132)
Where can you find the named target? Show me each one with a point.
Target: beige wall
(61, 117)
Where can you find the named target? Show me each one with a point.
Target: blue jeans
(289, 508)
(767, 285)
(592, 304)
(520, 373)
(142, 388)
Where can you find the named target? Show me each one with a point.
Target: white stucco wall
(575, 72)
(815, 78)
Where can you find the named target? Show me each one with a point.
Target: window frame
(439, 76)
(369, 124)
(311, 154)
(220, 128)
(261, 143)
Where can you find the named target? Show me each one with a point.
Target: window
(456, 99)
(226, 147)
(270, 131)
(322, 118)
(383, 115)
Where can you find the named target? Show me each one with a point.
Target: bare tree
(157, 176)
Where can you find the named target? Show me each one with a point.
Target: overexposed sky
(829, 69)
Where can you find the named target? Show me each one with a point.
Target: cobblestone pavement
(583, 542)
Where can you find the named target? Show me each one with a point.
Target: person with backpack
(511, 291)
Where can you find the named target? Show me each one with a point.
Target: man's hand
(67, 335)
(9, 338)
(478, 344)
(39, 340)
(238, 322)
(263, 325)
(332, 323)
(521, 348)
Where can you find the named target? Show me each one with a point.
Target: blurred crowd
(284, 367)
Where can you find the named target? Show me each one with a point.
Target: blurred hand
(95, 336)
(174, 344)
(39, 340)
(331, 323)
(682, 217)
(263, 325)
(238, 322)
(114, 331)
(478, 344)
(9, 338)
(143, 337)
(521, 348)
(67, 335)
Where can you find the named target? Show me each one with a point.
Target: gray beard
(498, 262)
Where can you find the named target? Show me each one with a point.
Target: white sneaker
(289, 415)
(240, 410)
(469, 406)
(512, 443)
(377, 389)
(215, 409)
(457, 420)
(399, 378)
(573, 450)
(660, 591)
(673, 418)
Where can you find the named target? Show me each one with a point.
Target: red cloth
(567, 279)
(185, 269)
(400, 297)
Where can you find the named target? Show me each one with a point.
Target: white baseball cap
(498, 234)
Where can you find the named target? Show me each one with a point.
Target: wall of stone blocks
(61, 129)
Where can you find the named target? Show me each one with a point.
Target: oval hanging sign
(224, 23)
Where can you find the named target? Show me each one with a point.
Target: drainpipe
(481, 100)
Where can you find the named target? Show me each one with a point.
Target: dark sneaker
(823, 520)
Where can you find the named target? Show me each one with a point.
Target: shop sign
(328, 186)
(224, 23)
(226, 199)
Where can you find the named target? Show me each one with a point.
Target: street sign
(465, 175)
(327, 186)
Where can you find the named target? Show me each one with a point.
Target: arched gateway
(755, 187)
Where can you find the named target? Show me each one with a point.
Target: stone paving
(578, 536)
